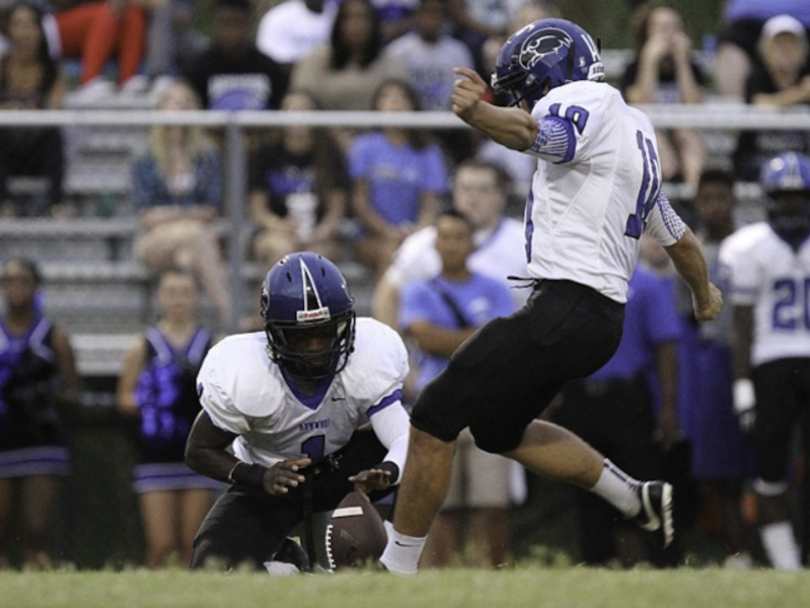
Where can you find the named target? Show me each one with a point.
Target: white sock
(402, 553)
(619, 489)
(780, 545)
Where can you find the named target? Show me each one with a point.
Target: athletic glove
(744, 402)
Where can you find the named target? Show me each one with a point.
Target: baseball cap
(783, 24)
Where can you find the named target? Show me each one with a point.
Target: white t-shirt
(580, 209)
(761, 270)
(244, 393)
(499, 253)
(290, 30)
(431, 66)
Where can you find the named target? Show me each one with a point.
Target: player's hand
(708, 310)
(467, 92)
(370, 480)
(284, 475)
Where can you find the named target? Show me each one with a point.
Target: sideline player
(768, 268)
(596, 189)
(289, 402)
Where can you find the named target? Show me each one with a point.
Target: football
(355, 534)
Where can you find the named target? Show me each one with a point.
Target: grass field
(530, 587)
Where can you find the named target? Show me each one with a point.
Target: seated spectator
(298, 190)
(158, 388)
(430, 54)
(177, 191)
(233, 74)
(783, 80)
(398, 177)
(345, 74)
(293, 28)
(396, 17)
(30, 80)
(737, 52)
(475, 21)
(663, 72)
(97, 31)
(171, 40)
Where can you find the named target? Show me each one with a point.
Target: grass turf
(523, 586)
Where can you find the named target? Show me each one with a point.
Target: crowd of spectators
(373, 195)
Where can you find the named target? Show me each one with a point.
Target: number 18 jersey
(596, 189)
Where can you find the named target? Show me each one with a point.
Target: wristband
(249, 475)
(744, 397)
(392, 468)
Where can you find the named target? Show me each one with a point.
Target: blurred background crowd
(109, 231)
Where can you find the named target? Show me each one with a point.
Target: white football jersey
(243, 392)
(498, 254)
(761, 270)
(584, 215)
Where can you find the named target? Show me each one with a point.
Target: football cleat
(656, 510)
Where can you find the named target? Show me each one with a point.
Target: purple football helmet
(785, 178)
(547, 52)
(305, 292)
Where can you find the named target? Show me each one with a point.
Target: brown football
(355, 534)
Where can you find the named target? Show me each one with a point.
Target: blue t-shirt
(397, 176)
(762, 11)
(650, 317)
(478, 300)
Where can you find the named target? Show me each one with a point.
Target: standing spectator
(158, 387)
(663, 72)
(298, 189)
(398, 177)
(721, 459)
(480, 194)
(737, 52)
(97, 31)
(439, 314)
(614, 410)
(768, 265)
(233, 74)
(782, 80)
(177, 191)
(346, 74)
(30, 80)
(293, 28)
(38, 385)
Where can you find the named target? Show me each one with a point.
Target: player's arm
(687, 256)
(391, 424)
(511, 127)
(206, 454)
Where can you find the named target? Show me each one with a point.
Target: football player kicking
(282, 411)
(597, 187)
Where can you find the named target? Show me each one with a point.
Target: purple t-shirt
(397, 176)
(650, 318)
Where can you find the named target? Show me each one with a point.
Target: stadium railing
(717, 117)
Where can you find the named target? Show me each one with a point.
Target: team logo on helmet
(543, 43)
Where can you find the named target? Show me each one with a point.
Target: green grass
(525, 586)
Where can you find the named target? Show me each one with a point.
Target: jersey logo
(545, 42)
